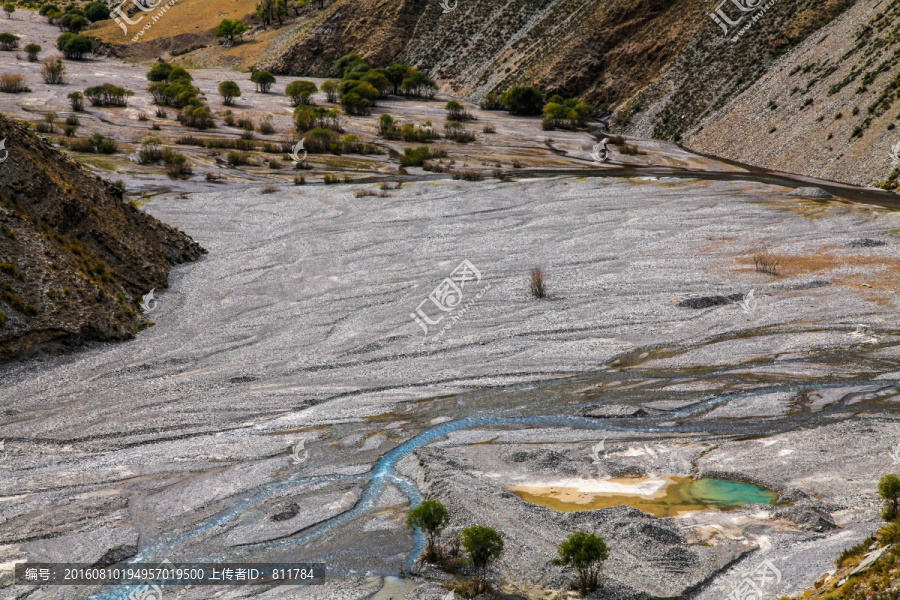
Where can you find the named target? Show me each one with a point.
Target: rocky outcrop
(75, 258)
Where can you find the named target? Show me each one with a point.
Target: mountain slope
(828, 109)
(75, 259)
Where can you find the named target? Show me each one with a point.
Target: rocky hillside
(828, 109)
(804, 86)
(75, 258)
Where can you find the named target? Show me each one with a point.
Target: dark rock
(286, 511)
(867, 243)
(710, 301)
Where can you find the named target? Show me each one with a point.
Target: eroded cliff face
(829, 108)
(75, 258)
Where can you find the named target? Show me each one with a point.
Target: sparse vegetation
(468, 175)
(765, 263)
(536, 284)
(456, 131)
(457, 112)
(13, 83)
(96, 144)
(53, 71)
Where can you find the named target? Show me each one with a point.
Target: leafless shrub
(631, 149)
(488, 128)
(765, 263)
(265, 126)
(161, 113)
(376, 193)
(536, 284)
(269, 189)
(142, 116)
(468, 175)
(391, 185)
(214, 177)
(13, 83)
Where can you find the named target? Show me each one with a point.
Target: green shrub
(523, 100)
(263, 80)
(229, 90)
(107, 94)
(8, 41)
(96, 11)
(74, 46)
(300, 92)
(32, 50)
(414, 157)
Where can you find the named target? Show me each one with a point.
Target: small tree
(76, 99)
(33, 50)
(300, 92)
(8, 41)
(429, 517)
(483, 545)
(330, 88)
(456, 111)
(889, 490)
(159, 72)
(9, 8)
(263, 80)
(230, 29)
(96, 11)
(73, 22)
(53, 71)
(74, 46)
(523, 100)
(229, 90)
(585, 552)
